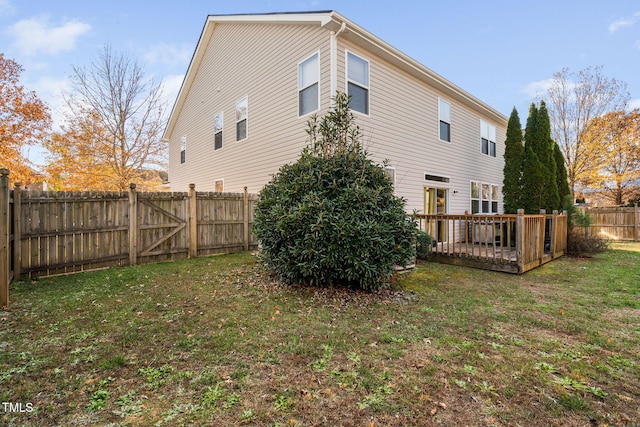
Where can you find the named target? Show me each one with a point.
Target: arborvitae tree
(532, 182)
(512, 172)
(561, 173)
(544, 149)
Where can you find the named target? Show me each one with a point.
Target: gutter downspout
(334, 60)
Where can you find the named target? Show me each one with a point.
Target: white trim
(333, 57)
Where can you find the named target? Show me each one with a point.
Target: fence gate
(161, 226)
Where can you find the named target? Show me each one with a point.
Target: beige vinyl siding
(259, 61)
(403, 127)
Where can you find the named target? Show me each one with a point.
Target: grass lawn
(215, 341)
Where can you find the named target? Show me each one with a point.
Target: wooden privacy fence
(614, 223)
(508, 243)
(44, 233)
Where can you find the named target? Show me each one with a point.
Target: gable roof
(332, 21)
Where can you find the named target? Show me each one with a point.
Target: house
(255, 80)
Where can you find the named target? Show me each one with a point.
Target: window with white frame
(391, 173)
(217, 130)
(358, 83)
(488, 138)
(183, 148)
(484, 197)
(242, 114)
(308, 85)
(444, 114)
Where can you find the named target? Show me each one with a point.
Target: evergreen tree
(512, 172)
(561, 173)
(532, 182)
(543, 147)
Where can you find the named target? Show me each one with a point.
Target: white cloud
(6, 8)
(537, 89)
(168, 54)
(171, 87)
(37, 35)
(623, 22)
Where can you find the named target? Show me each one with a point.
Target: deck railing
(512, 243)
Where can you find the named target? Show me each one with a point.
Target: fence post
(133, 224)
(519, 240)
(637, 236)
(4, 238)
(17, 231)
(246, 219)
(193, 222)
(553, 231)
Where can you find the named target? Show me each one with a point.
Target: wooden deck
(507, 243)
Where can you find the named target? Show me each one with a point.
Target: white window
(358, 83)
(484, 197)
(217, 130)
(488, 138)
(308, 85)
(242, 114)
(183, 148)
(444, 114)
(391, 173)
(219, 185)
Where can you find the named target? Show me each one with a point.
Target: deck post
(17, 231)
(519, 240)
(193, 222)
(133, 224)
(5, 232)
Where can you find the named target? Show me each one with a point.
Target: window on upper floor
(484, 197)
(308, 85)
(217, 131)
(183, 148)
(242, 114)
(444, 114)
(488, 138)
(358, 83)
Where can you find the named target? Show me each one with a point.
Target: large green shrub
(332, 217)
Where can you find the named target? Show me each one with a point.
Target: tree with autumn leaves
(112, 135)
(614, 143)
(24, 121)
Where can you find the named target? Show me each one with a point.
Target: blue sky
(500, 51)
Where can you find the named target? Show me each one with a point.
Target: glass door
(436, 202)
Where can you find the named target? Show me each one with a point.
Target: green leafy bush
(332, 217)
(423, 245)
